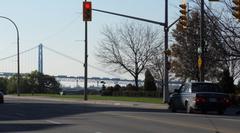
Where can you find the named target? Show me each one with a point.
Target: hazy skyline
(58, 24)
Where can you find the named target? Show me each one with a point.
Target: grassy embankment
(98, 97)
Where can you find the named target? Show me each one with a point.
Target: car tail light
(200, 100)
(226, 101)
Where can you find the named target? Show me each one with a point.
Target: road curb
(100, 102)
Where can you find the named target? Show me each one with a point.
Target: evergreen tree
(227, 82)
(3, 85)
(149, 82)
(185, 49)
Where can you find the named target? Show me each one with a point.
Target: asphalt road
(43, 116)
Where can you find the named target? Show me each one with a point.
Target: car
(1, 97)
(199, 96)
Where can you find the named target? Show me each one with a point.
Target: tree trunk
(136, 81)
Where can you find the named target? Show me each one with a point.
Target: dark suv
(199, 96)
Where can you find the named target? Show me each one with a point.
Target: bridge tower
(40, 58)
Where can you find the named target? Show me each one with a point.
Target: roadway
(45, 116)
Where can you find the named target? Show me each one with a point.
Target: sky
(57, 24)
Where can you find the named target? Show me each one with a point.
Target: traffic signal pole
(131, 17)
(166, 74)
(86, 62)
(86, 56)
(202, 43)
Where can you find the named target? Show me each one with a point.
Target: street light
(18, 60)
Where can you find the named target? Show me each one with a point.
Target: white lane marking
(116, 105)
(53, 122)
(205, 116)
(229, 119)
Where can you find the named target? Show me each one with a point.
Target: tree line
(33, 82)
(149, 89)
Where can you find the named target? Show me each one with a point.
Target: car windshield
(203, 87)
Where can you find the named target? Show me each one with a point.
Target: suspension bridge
(33, 59)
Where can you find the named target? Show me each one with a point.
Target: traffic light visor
(183, 6)
(236, 2)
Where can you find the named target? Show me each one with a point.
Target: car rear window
(206, 87)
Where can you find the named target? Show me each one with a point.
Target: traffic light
(183, 17)
(168, 52)
(87, 11)
(236, 9)
(168, 65)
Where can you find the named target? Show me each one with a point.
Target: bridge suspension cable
(11, 56)
(79, 61)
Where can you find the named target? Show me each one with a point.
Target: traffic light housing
(183, 17)
(168, 52)
(236, 9)
(87, 11)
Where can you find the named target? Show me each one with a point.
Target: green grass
(98, 97)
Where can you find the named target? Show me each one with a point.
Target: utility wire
(64, 55)
(23, 52)
(64, 28)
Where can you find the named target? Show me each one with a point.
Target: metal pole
(131, 17)
(18, 60)
(86, 63)
(18, 64)
(202, 45)
(166, 29)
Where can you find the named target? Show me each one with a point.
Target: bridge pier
(40, 58)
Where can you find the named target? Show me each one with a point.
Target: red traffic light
(87, 5)
(87, 11)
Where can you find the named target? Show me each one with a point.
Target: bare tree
(157, 67)
(128, 47)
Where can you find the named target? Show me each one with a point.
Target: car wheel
(172, 107)
(188, 108)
